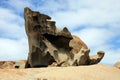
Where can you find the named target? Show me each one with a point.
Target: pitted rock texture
(49, 46)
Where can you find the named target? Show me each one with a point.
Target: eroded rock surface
(117, 65)
(6, 64)
(50, 46)
(12, 64)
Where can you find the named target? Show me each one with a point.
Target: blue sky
(96, 22)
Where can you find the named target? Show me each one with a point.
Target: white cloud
(13, 49)
(18, 6)
(95, 36)
(88, 12)
(111, 56)
(11, 25)
(13, 41)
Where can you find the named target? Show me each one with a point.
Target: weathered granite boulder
(117, 65)
(96, 58)
(6, 64)
(12, 64)
(51, 46)
(19, 64)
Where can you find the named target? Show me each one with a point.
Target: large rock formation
(51, 46)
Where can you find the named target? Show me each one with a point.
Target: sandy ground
(93, 72)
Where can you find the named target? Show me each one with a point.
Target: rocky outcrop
(6, 64)
(12, 64)
(49, 46)
(19, 64)
(117, 65)
(96, 58)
